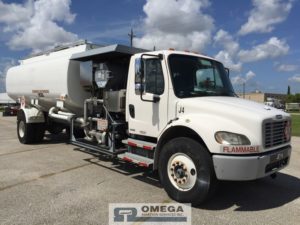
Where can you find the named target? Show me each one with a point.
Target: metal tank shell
(48, 78)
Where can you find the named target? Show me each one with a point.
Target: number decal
(181, 109)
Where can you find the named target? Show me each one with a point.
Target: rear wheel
(29, 133)
(186, 171)
(39, 132)
(55, 128)
(77, 132)
(25, 130)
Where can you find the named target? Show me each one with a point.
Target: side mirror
(140, 76)
(227, 71)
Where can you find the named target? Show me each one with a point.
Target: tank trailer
(172, 111)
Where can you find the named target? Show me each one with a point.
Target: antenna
(131, 36)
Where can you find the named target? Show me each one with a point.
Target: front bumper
(237, 167)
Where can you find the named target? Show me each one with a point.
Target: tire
(39, 132)
(77, 132)
(29, 133)
(186, 171)
(55, 128)
(24, 130)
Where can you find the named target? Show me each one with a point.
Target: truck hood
(207, 115)
(230, 107)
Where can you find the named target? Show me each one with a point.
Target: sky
(258, 40)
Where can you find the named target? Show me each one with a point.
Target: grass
(296, 125)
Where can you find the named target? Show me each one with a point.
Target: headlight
(227, 138)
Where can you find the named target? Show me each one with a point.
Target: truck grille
(276, 133)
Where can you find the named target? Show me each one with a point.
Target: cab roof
(107, 52)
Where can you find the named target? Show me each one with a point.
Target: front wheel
(186, 171)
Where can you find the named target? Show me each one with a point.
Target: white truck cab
(172, 111)
(195, 101)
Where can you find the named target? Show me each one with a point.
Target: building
(6, 100)
(263, 97)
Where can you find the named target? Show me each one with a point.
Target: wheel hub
(22, 129)
(182, 171)
(179, 172)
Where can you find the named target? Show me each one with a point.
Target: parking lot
(56, 183)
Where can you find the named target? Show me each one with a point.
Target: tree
(289, 90)
(297, 98)
(293, 98)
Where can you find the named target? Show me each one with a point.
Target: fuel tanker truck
(172, 111)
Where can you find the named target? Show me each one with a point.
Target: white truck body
(169, 110)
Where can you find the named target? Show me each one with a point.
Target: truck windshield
(195, 77)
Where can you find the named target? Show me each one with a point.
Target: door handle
(131, 111)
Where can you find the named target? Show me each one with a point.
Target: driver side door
(148, 117)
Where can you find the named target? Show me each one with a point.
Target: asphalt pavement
(57, 183)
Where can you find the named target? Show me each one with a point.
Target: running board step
(136, 159)
(140, 144)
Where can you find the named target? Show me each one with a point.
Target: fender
(32, 115)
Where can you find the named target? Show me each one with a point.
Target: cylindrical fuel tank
(48, 78)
